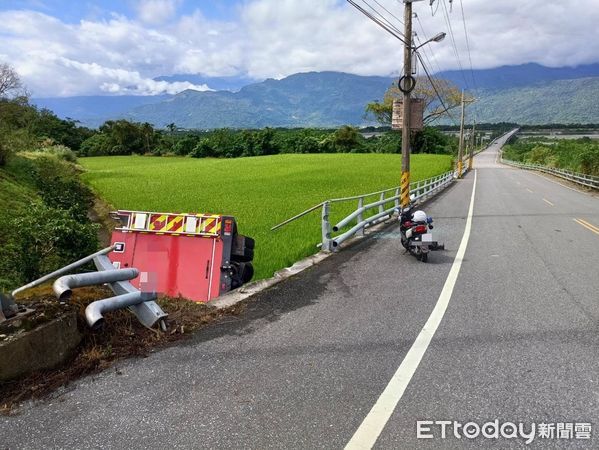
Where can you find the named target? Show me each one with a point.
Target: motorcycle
(415, 236)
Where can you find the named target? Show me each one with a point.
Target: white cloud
(155, 12)
(275, 38)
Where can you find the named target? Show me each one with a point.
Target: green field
(260, 191)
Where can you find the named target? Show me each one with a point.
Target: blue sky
(70, 47)
(72, 11)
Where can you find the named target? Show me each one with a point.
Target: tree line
(577, 155)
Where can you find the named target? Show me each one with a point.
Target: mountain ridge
(329, 99)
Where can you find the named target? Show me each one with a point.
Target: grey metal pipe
(95, 311)
(63, 287)
(148, 313)
(65, 269)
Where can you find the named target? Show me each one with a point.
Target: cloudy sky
(66, 47)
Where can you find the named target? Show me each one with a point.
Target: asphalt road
(302, 368)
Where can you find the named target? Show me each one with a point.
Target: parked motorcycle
(415, 235)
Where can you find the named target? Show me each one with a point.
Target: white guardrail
(575, 177)
(419, 190)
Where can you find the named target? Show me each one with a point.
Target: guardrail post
(326, 228)
(359, 218)
(397, 205)
(382, 207)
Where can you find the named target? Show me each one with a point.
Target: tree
(346, 139)
(9, 80)
(449, 93)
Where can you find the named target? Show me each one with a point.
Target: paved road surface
(304, 366)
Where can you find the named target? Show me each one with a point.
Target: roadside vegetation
(578, 155)
(44, 222)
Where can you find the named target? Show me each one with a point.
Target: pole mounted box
(196, 256)
(416, 114)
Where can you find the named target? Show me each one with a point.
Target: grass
(260, 192)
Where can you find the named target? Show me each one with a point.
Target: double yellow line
(587, 225)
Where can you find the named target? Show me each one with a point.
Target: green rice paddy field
(260, 191)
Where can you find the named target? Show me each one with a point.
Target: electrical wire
(453, 42)
(381, 17)
(384, 23)
(389, 12)
(433, 58)
(430, 79)
(468, 45)
(388, 29)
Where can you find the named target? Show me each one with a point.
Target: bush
(186, 145)
(61, 152)
(59, 187)
(45, 239)
(202, 150)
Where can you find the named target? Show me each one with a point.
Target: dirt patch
(121, 337)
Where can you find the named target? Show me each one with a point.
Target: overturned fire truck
(196, 256)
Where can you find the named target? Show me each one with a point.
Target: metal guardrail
(418, 191)
(579, 178)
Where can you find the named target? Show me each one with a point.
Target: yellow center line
(587, 225)
(548, 202)
(594, 227)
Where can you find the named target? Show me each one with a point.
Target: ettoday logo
(442, 429)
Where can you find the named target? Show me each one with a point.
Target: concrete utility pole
(405, 131)
(461, 148)
(472, 145)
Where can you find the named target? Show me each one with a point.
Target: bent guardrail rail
(575, 177)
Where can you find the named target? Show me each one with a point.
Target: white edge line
(367, 434)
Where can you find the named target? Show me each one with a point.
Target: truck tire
(244, 255)
(242, 249)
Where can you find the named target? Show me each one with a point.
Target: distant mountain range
(528, 93)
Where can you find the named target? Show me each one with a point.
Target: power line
(430, 79)
(453, 42)
(467, 44)
(382, 17)
(388, 29)
(391, 29)
(433, 58)
(392, 15)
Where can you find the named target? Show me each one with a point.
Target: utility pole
(461, 148)
(472, 145)
(406, 113)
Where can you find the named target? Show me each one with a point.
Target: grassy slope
(15, 190)
(260, 192)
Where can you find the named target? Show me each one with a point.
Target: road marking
(370, 429)
(588, 226)
(530, 190)
(548, 202)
